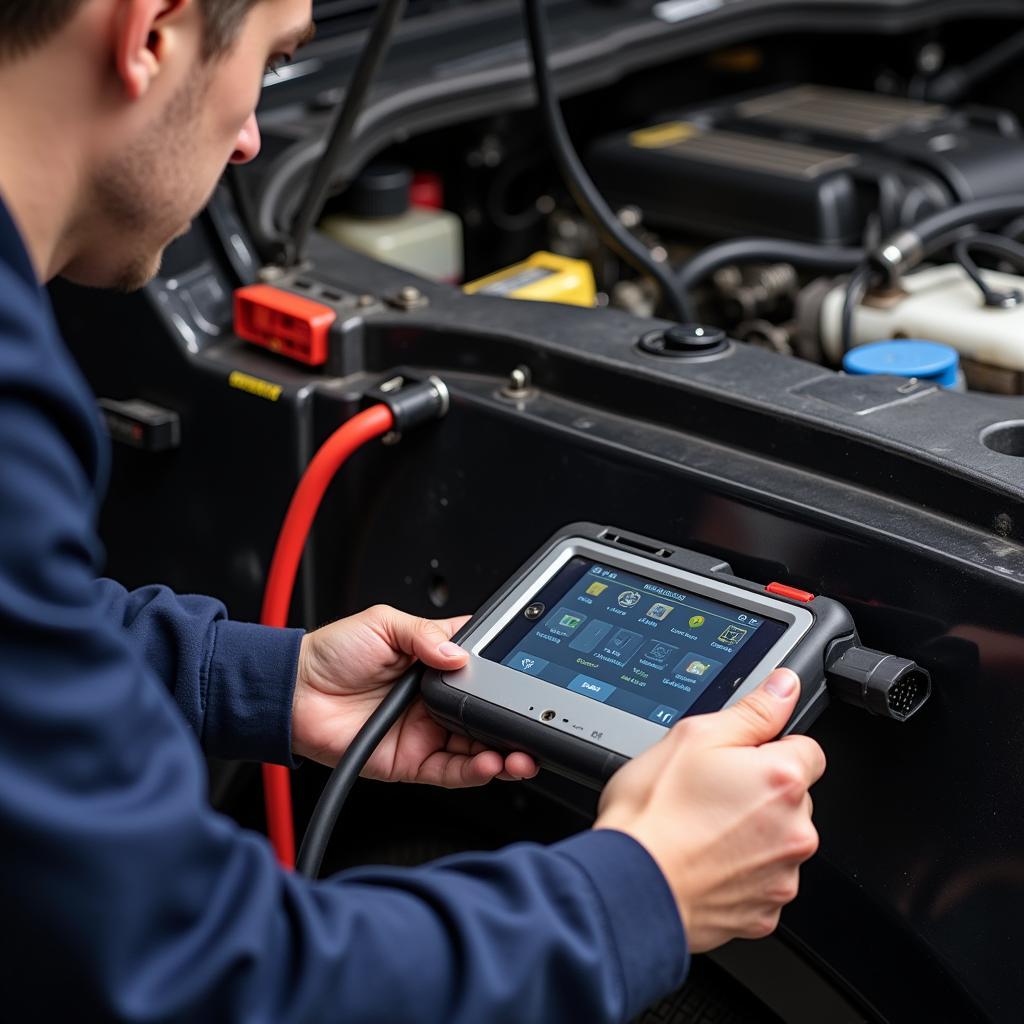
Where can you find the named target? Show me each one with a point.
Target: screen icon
(597, 589)
(659, 611)
(732, 635)
(564, 621)
(697, 666)
(523, 661)
(657, 655)
(663, 715)
(696, 621)
(629, 599)
(621, 639)
(622, 644)
(741, 618)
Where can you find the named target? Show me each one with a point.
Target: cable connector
(880, 683)
(412, 405)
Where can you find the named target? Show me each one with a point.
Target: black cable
(994, 245)
(952, 85)
(279, 184)
(247, 213)
(352, 762)
(904, 249)
(580, 185)
(856, 289)
(389, 13)
(828, 259)
(1014, 229)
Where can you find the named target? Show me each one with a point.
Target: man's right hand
(725, 812)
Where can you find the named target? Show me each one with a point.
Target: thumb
(429, 640)
(761, 715)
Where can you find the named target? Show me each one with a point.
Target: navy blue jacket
(124, 896)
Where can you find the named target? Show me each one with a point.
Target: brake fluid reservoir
(380, 222)
(942, 304)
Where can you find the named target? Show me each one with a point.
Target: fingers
(463, 765)
(518, 767)
(460, 771)
(760, 716)
(808, 755)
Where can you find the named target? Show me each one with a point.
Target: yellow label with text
(255, 386)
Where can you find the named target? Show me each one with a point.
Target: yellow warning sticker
(255, 386)
(660, 135)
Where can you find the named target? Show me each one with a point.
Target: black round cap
(685, 340)
(382, 190)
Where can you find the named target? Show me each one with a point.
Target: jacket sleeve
(233, 681)
(131, 900)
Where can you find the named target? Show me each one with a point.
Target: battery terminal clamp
(412, 403)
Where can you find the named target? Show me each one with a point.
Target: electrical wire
(979, 211)
(276, 196)
(953, 84)
(247, 214)
(856, 289)
(389, 13)
(581, 187)
(277, 596)
(904, 249)
(993, 245)
(828, 259)
(351, 763)
(1014, 229)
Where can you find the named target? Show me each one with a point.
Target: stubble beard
(139, 194)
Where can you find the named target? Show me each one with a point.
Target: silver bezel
(607, 727)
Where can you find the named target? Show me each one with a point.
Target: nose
(247, 146)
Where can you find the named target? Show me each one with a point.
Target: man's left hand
(346, 669)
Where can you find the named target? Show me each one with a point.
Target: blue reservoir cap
(926, 360)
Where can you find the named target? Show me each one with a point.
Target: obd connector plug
(880, 683)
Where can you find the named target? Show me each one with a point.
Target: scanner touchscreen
(634, 644)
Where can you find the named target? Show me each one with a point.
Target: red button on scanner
(791, 592)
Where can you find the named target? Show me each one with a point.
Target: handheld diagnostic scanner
(604, 640)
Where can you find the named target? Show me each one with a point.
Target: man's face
(174, 148)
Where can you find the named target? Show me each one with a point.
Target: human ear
(140, 40)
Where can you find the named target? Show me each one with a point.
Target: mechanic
(125, 896)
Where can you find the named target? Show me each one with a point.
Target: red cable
(277, 597)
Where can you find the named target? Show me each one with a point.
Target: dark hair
(24, 25)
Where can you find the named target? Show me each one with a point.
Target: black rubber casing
(587, 762)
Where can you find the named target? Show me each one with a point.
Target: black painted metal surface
(887, 501)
